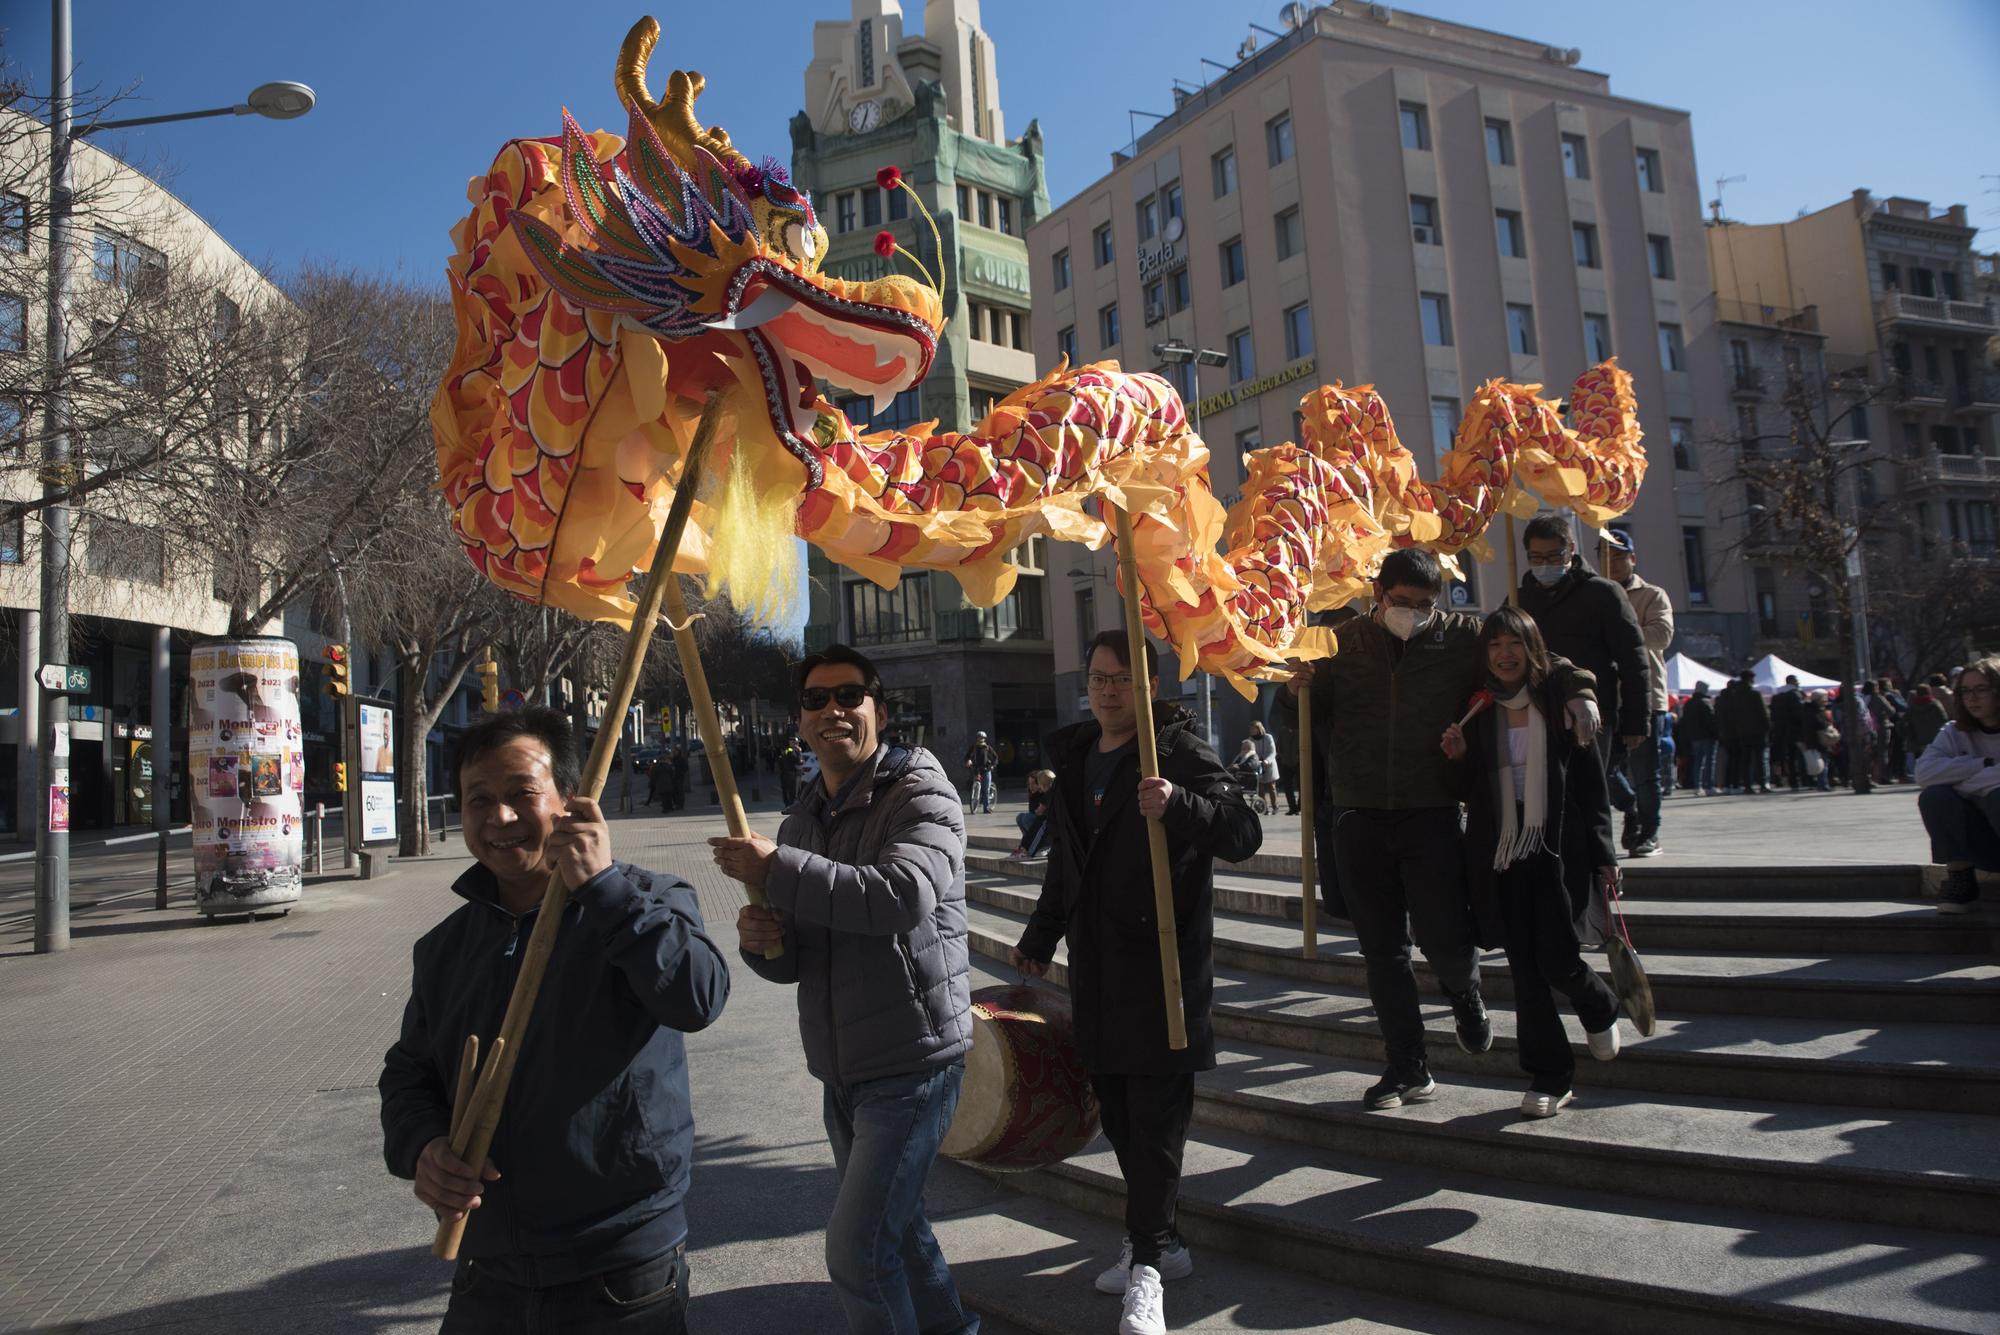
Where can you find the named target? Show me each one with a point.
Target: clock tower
(929, 105)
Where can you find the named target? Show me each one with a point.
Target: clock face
(865, 116)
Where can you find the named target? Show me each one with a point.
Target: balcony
(1968, 470)
(1962, 317)
(1746, 382)
(1981, 394)
(1913, 391)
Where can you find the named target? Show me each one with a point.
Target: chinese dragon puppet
(604, 285)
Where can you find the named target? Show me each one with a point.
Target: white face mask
(1548, 574)
(1404, 622)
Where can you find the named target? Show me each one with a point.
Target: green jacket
(1380, 707)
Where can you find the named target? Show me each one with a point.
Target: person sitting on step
(1959, 773)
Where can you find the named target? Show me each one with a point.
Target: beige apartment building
(1380, 197)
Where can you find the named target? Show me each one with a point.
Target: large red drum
(1027, 1101)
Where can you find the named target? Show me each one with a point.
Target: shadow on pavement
(397, 1290)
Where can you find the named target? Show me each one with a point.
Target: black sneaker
(1959, 892)
(1399, 1086)
(1468, 1012)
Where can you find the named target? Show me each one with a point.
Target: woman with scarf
(1537, 845)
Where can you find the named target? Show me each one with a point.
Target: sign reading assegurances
(246, 773)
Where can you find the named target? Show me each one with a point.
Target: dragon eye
(800, 241)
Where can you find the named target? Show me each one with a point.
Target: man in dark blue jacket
(585, 1232)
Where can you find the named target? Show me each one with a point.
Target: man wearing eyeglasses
(867, 896)
(1097, 896)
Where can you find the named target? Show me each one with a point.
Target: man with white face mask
(1402, 675)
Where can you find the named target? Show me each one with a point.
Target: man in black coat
(1788, 714)
(1097, 896)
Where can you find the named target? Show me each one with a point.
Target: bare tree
(1929, 618)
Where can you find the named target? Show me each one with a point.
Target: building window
(1156, 301)
(1659, 256)
(1066, 343)
(1424, 226)
(1248, 439)
(1180, 290)
(865, 41)
(1061, 263)
(1746, 427)
(1222, 170)
(843, 212)
(1291, 230)
(1005, 205)
(1521, 330)
(1171, 201)
(13, 426)
(1948, 278)
(1181, 376)
(1921, 281)
(228, 318)
(13, 222)
(876, 615)
(13, 324)
(124, 262)
(1697, 566)
(1233, 269)
(1298, 331)
(899, 205)
(1681, 432)
(1583, 240)
(1499, 143)
(1507, 234)
(1597, 338)
(1892, 277)
(965, 202)
(871, 208)
(1436, 308)
(1767, 603)
(1416, 123)
(118, 550)
(1576, 158)
(985, 210)
(1444, 425)
(1149, 219)
(1242, 358)
(13, 539)
(1673, 355)
(1278, 138)
(1107, 326)
(1648, 163)
(1100, 245)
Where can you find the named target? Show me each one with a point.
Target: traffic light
(337, 684)
(489, 683)
(340, 775)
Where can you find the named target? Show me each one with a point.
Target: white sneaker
(1604, 1045)
(1145, 1304)
(1544, 1105)
(1177, 1262)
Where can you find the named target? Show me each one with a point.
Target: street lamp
(1176, 353)
(278, 101)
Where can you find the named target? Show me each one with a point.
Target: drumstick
(461, 1099)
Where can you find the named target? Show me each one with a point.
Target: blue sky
(1806, 98)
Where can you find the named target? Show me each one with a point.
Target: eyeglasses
(1555, 558)
(848, 695)
(1971, 689)
(1100, 682)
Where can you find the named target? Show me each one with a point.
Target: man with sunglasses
(867, 896)
(1097, 896)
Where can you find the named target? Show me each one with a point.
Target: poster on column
(245, 771)
(378, 773)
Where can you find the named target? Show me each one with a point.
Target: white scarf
(1520, 836)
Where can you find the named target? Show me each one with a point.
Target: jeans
(1963, 829)
(1611, 751)
(1400, 872)
(1643, 768)
(1146, 1120)
(980, 794)
(646, 1299)
(1543, 956)
(1701, 774)
(880, 1254)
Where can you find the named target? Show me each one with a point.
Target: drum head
(983, 1100)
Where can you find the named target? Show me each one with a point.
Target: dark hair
(1747, 677)
(1410, 566)
(1510, 620)
(539, 723)
(1121, 649)
(1546, 526)
(871, 680)
(1988, 668)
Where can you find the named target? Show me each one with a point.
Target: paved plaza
(191, 1140)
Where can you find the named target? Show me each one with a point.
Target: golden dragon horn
(673, 115)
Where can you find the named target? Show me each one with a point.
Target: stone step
(1931, 1067)
(1935, 988)
(1781, 927)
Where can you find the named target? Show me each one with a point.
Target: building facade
(929, 105)
(1382, 198)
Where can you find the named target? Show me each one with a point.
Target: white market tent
(1683, 673)
(1772, 670)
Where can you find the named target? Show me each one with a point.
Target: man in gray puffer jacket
(867, 896)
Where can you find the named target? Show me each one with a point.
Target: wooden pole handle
(1149, 766)
(475, 1138)
(461, 1097)
(1308, 849)
(1513, 565)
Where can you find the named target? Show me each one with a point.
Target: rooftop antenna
(1715, 205)
(1292, 16)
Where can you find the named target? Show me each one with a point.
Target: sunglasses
(848, 695)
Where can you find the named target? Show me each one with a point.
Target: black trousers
(1400, 871)
(1146, 1120)
(1544, 958)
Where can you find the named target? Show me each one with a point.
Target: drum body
(1027, 1101)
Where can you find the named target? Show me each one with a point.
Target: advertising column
(246, 774)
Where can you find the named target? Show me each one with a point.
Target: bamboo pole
(1149, 766)
(474, 1137)
(1308, 850)
(1513, 565)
